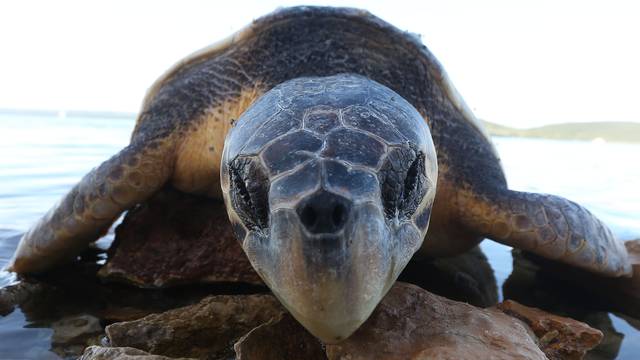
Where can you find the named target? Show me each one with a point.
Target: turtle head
(329, 184)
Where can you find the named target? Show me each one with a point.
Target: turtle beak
(329, 262)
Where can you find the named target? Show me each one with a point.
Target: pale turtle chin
(331, 282)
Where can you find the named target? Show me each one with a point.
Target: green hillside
(609, 131)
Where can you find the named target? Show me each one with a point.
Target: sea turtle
(335, 140)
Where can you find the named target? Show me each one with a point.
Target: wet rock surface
(177, 238)
(74, 328)
(576, 294)
(14, 295)
(619, 294)
(559, 337)
(50, 309)
(410, 323)
(205, 330)
(120, 353)
(74, 333)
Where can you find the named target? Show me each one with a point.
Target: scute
(292, 187)
(347, 92)
(300, 96)
(278, 155)
(356, 183)
(365, 118)
(353, 146)
(402, 120)
(244, 130)
(280, 124)
(321, 119)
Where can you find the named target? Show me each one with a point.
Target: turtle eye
(249, 192)
(402, 179)
(414, 186)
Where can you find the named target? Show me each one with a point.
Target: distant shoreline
(627, 132)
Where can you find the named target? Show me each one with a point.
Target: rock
(412, 323)
(633, 283)
(208, 328)
(74, 329)
(615, 294)
(409, 323)
(551, 291)
(14, 295)
(120, 353)
(113, 314)
(559, 337)
(609, 347)
(281, 338)
(74, 333)
(177, 238)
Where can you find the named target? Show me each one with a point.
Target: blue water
(42, 157)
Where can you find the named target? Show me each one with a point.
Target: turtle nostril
(324, 213)
(339, 215)
(309, 217)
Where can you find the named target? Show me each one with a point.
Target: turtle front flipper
(549, 226)
(89, 209)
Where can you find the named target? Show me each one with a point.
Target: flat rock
(609, 347)
(72, 334)
(177, 238)
(75, 328)
(409, 323)
(14, 295)
(551, 290)
(280, 338)
(207, 329)
(121, 353)
(559, 337)
(623, 291)
(412, 323)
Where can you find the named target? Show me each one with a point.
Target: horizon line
(133, 115)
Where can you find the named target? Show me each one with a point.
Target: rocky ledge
(159, 246)
(174, 239)
(410, 323)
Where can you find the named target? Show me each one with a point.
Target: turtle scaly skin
(328, 119)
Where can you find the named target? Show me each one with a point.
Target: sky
(519, 63)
